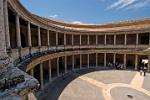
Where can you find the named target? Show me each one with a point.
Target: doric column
(7, 36)
(88, 58)
(104, 59)
(137, 39)
(96, 60)
(124, 60)
(105, 42)
(65, 64)
(57, 66)
(29, 35)
(39, 37)
(32, 72)
(41, 75)
(114, 58)
(136, 62)
(114, 39)
(72, 62)
(64, 39)
(80, 61)
(88, 39)
(18, 31)
(48, 41)
(50, 70)
(125, 39)
(148, 63)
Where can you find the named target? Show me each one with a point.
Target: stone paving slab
(115, 76)
(146, 84)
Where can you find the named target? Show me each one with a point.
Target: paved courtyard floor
(99, 85)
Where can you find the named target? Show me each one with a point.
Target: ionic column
(105, 42)
(32, 72)
(80, 61)
(80, 40)
(96, 40)
(48, 41)
(149, 63)
(125, 39)
(72, 62)
(65, 64)
(96, 60)
(124, 60)
(114, 39)
(88, 58)
(64, 39)
(72, 40)
(18, 31)
(104, 59)
(56, 39)
(57, 66)
(41, 75)
(136, 62)
(88, 39)
(39, 37)
(149, 38)
(114, 58)
(7, 36)
(50, 71)
(29, 35)
(137, 39)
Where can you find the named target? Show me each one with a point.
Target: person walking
(145, 70)
(141, 70)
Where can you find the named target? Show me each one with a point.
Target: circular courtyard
(94, 84)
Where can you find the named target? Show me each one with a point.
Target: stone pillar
(137, 39)
(57, 66)
(149, 63)
(18, 31)
(136, 62)
(88, 39)
(41, 75)
(72, 40)
(48, 41)
(80, 61)
(72, 62)
(32, 72)
(7, 36)
(29, 35)
(125, 60)
(88, 60)
(105, 40)
(96, 60)
(114, 58)
(3, 60)
(125, 39)
(64, 39)
(105, 60)
(114, 39)
(80, 40)
(39, 37)
(96, 40)
(50, 71)
(56, 39)
(65, 64)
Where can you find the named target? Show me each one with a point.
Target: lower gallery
(35, 51)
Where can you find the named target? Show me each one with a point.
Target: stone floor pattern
(100, 85)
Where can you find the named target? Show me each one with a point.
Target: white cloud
(53, 16)
(77, 22)
(120, 4)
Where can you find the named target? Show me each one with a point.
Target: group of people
(116, 65)
(143, 69)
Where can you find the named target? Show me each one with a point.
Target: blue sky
(89, 11)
